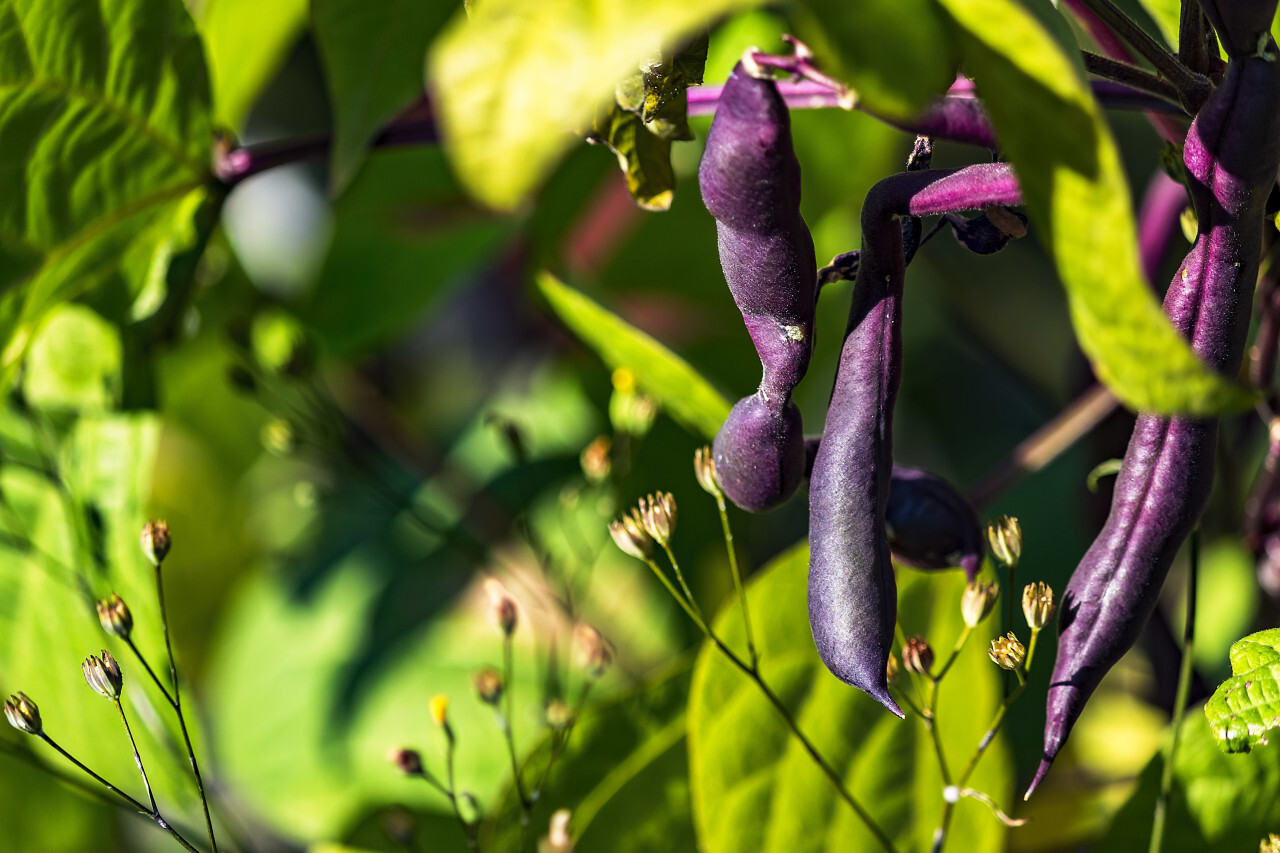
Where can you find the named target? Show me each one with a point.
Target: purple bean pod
(852, 593)
(750, 182)
(1232, 154)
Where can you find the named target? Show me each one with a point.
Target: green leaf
(645, 157)
(662, 374)
(895, 54)
(104, 127)
(624, 775)
(516, 80)
(1167, 15)
(373, 55)
(1247, 706)
(247, 42)
(74, 362)
(754, 786)
(1218, 801)
(1075, 190)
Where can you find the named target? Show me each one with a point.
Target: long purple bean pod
(852, 593)
(750, 182)
(1232, 154)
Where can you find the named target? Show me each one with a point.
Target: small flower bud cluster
(1037, 605)
(704, 468)
(155, 541)
(488, 685)
(917, 656)
(1005, 537)
(1007, 652)
(103, 675)
(595, 653)
(502, 607)
(409, 761)
(23, 714)
(597, 460)
(977, 601)
(629, 534)
(115, 617)
(658, 514)
(557, 839)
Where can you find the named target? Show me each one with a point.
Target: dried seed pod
(1232, 155)
(750, 182)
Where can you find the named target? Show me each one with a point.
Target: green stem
(684, 586)
(1008, 618)
(737, 580)
(1180, 700)
(671, 589)
(504, 722)
(177, 708)
(1031, 649)
(137, 757)
(955, 653)
(932, 724)
(153, 815)
(467, 830)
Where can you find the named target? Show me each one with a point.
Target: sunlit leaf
(104, 132)
(247, 42)
(517, 80)
(645, 158)
(1075, 190)
(662, 374)
(1246, 707)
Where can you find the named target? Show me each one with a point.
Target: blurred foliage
(355, 401)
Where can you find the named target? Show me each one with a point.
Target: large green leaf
(104, 133)
(373, 55)
(247, 42)
(517, 79)
(1246, 706)
(1218, 801)
(756, 789)
(662, 374)
(896, 55)
(1075, 190)
(624, 776)
(1166, 14)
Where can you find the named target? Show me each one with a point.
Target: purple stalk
(1232, 155)
(852, 593)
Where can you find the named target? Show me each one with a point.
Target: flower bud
(596, 460)
(1270, 844)
(439, 708)
(557, 839)
(103, 675)
(408, 760)
(155, 541)
(595, 653)
(502, 607)
(891, 669)
(658, 513)
(704, 468)
(1005, 536)
(115, 617)
(488, 684)
(917, 656)
(23, 714)
(629, 534)
(977, 601)
(1007, 652)
(1037, 604)
(559, 715)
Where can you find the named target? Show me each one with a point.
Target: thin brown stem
(1045, 444)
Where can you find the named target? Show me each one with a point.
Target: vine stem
(153, 815)
(1180, 700)
(737, 580)
(177, 708)
(780, 707)
(504, 721)
(137, 757)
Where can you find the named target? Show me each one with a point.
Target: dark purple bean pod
(750, 181)
(1242, 25)
(852, 594)
(928, 523)
(1232, 154)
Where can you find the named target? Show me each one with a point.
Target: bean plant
(368, 430)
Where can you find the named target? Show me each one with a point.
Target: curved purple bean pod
(750, 182)
(852, 593)
(1232, 154)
